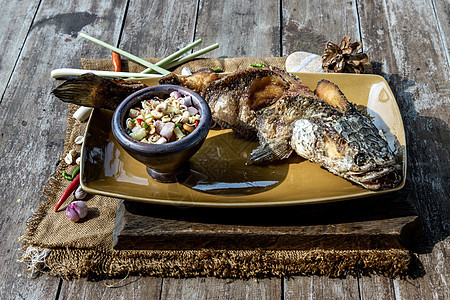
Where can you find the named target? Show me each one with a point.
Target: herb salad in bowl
(162, 127)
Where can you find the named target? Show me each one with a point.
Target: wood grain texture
(16, 21)
(419, 81)
(407, 41)
(213, 288)
(32, 136)
(132, 287)
(441, 8)
(316, 287)
(376, 287)
(14, 284)
(434, 283)
(242, 28)
(308, 25)
(388, 223)
(159, 28)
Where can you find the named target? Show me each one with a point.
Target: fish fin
(95, 91)
(170, 78)
(271, 150)
(332, 95)
(197, 81)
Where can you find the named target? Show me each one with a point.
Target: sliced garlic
(78, 160)
(79, 140)
(82, 113)
(70, 156)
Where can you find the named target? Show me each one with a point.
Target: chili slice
(116, 61)
(72, 186)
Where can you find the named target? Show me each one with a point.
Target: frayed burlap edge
(236, 264)
(100, 263)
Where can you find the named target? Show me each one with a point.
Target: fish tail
(94, 91)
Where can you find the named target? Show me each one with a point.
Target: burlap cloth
(59, 247)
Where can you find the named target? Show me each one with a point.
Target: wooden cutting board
(382, 222)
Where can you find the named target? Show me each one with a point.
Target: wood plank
(434, 284)
(132, 287)
(213, 288)
(308, 25)
(241, 31)
(239, 28)
(143, 37)
(317, 287)
(159, 28)
(376, 287)
(32, 134)
(371, 223)
(442, 10)
(17, 17)
(419, 80)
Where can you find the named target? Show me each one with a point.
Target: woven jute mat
(57, 246)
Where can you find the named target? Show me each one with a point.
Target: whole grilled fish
(285, 115)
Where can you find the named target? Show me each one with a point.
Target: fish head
(348, 147)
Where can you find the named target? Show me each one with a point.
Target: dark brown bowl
(165, 162)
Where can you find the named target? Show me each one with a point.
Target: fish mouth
(377, 179)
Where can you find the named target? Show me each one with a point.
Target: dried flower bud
(76, 210)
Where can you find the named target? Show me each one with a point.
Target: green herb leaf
(258, 65)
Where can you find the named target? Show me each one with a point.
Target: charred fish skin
(274, 127)
(348, 145)
(235, 99)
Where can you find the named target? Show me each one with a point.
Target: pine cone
(344, 58)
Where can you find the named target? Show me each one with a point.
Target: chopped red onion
(158, 126)
(167, 130)
(187, 101)
(192, 110)
(175, 94)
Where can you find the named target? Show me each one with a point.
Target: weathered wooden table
(408, 45)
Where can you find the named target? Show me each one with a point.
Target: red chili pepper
(72, 186)
(196, 124)
(116, 61)
(140, 121)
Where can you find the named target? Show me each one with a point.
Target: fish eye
(360, 159)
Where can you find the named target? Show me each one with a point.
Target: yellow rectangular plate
(219, 175)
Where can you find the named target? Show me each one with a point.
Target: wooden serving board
(382, 222)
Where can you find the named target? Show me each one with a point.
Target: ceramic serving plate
(219, 175)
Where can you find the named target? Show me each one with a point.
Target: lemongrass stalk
(191, 56)
(173, 56)
(126, 54)
(57, 73)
